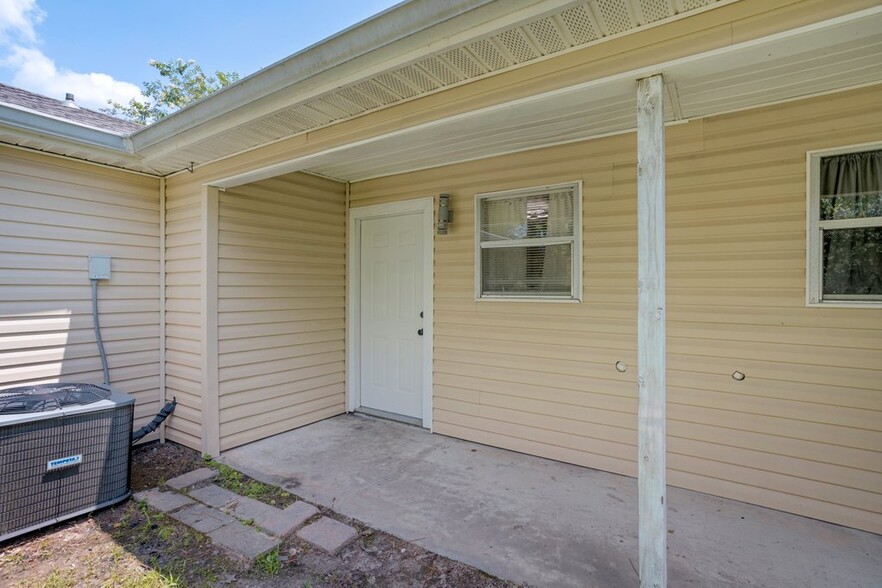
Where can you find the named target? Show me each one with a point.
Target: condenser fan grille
(27, 399)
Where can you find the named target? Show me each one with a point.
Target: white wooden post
(651, 332)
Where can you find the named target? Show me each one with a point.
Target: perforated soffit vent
(576, 25)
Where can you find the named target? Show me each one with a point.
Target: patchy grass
(79, 553)
(61, 579)
(165, 547)
(269, 563)
(236, 481)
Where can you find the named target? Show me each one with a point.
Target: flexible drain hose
(98, 333)
(157, 420)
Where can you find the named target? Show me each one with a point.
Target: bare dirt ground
(132, 545)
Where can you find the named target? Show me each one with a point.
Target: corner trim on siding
(424, 206)
(347, 297)
(208, 302)
(162, 278)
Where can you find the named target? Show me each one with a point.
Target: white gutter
(47, 125)
(384, 41)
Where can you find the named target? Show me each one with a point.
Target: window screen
(529, 243)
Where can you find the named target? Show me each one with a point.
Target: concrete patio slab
(533, 520)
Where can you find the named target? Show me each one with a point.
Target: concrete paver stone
(298, 513)
(164, 501)
(214, 495)
(328, 534)
(219, 514)
(263, 515)
(203, 518)
(243, 540)
(269, 518)
(192, 478)
(249, 509)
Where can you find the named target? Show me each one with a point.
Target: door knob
(420, 332)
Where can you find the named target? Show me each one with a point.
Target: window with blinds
(528, 243)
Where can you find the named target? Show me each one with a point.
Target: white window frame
(814, 292)
(576, 241)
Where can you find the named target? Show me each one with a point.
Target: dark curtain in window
(851, 188)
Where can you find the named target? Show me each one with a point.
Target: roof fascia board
(386, 41)
(50, 126)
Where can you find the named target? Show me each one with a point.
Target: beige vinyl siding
(183, 310)
(54, 214)
(281, 306)
(802, 433)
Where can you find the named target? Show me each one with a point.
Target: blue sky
(98, 49)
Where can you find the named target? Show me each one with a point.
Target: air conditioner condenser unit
(65, 450)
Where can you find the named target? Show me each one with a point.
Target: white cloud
(34, 71)
(17, 20)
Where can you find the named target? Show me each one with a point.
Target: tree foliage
(180, 83)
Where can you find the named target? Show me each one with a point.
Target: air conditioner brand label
(64, 462)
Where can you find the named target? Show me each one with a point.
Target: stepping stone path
(328, 534)
(247, 527)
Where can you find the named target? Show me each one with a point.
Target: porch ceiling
(838, 54)
(416, 48)
(469, 40)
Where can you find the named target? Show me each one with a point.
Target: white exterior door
(391, 303)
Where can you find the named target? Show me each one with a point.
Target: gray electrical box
(99, 267)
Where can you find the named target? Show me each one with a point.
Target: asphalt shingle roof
(59, 109)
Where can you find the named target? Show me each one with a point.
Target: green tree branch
(180, 83)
